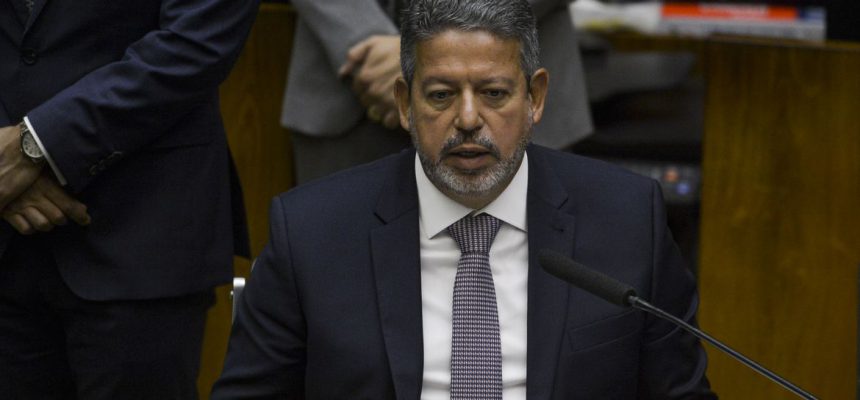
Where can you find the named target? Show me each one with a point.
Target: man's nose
(468, 115)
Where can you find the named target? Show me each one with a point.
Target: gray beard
(471, 183)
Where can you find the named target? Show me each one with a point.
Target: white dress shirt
(509, 262)
(57, 173)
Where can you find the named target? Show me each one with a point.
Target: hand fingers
(37, 219)
(359, 85)
(374, 113)
(384, 53)
(347, 68)
(385, 115)
(377, 93)
(391, 120)
(42, 207)
(378, 79)
(52, 213)
(366, 101)
(72, 208)
(15, 182)
(19, 223)
(355, 56)
(378, 87)
(78, 213)
(49, 199)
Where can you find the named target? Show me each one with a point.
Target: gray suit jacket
(317, 103)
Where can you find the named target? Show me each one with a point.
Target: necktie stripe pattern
(476, 355)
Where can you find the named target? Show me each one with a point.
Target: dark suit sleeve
(266, 354)
(127, 104)
(4, 117)
(673, 361)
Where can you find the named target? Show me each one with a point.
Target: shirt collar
(438, 211)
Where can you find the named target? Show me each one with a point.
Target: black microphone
(587, 279)
(624, 295)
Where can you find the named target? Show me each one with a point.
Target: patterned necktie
(29, 4)
(476, 351)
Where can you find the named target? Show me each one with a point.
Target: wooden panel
(251, 103)
(251, 106)
(780, 240)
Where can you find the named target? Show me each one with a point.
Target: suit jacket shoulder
(354, 192)
(590, 180)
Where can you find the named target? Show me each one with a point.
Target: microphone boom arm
(643, 305)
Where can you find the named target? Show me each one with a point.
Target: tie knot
(475, 234)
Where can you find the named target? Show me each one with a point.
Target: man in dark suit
(114, 192)
(417, 277)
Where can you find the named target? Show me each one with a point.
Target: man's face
(470, 112)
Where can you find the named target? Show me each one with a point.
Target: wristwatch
(29, 146)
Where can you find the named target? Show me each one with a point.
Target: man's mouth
(468, 154)
(469, 150)
(469, 157)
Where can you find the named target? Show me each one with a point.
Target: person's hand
(17, 173)
(44, 206)
(374, 65)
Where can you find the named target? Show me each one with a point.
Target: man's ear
(401, 98)
(537, 92)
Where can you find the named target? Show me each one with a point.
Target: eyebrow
(432, 81)
(482, 82)
(488, 81)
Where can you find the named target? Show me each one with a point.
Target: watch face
(31, 149)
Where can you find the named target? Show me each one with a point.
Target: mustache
(462, 138)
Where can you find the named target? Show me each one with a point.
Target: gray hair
(506, 19)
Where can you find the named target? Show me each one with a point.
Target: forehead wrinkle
(481, 73)
(432, 80)
(474, 58)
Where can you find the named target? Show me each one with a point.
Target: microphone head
(578, 275)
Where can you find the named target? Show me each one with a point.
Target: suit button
(29, 56)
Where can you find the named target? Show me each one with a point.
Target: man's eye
(439, 96)
(494, 93)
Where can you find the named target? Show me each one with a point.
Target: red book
(744, 12)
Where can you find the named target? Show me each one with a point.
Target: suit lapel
(396, 261)
(548, 228)
(38, 5)
(19, 9)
